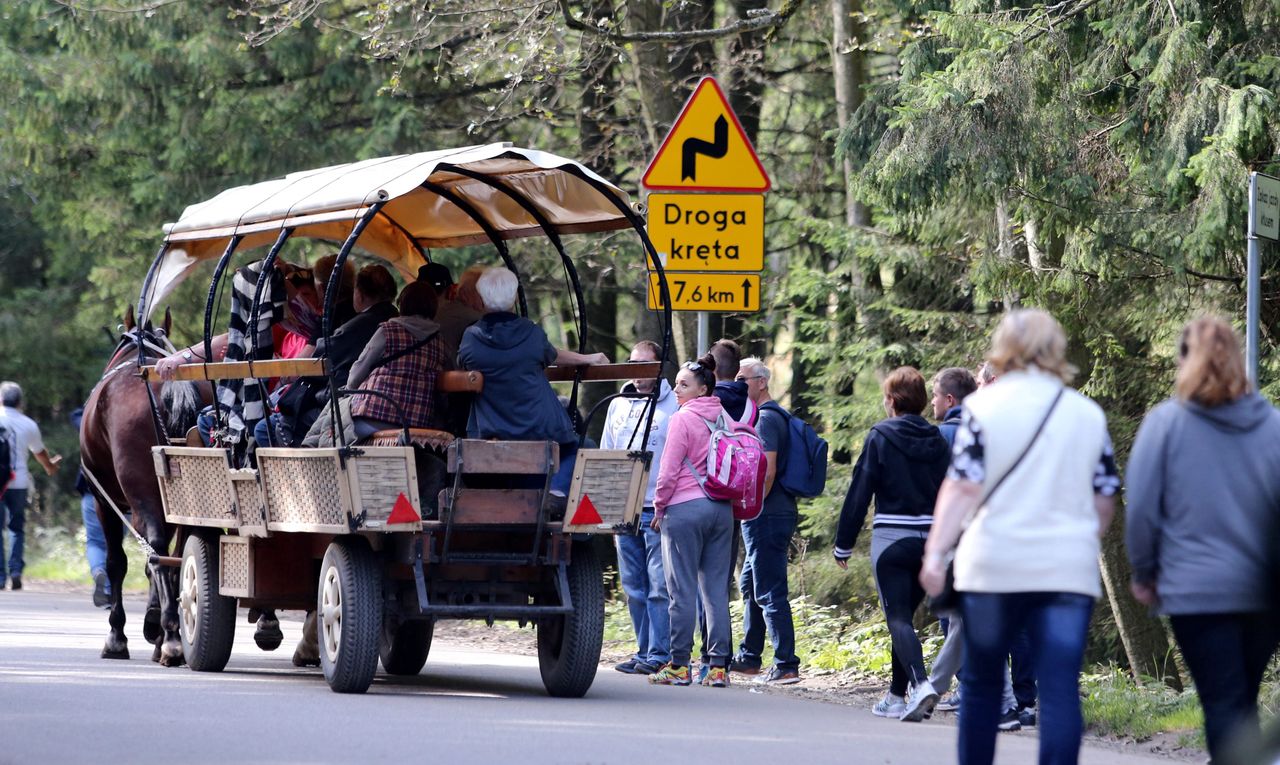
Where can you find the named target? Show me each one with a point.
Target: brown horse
(116, 435)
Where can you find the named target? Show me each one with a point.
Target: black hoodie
(902, 464)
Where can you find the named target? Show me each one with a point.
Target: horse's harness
(142, 340)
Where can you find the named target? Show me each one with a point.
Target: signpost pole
(1253, 290)
(704, 329)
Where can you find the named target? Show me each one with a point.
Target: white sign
(1266, 207)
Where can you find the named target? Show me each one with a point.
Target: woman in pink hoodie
(696, 531)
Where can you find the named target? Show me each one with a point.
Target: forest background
(933, 163)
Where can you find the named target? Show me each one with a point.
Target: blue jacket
(517, 402)
(950, 423)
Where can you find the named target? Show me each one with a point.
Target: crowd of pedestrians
(995, 514)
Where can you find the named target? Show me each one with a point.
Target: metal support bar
(494, 235)
(1253, 292)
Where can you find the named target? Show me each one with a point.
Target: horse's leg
(117, 645)
(268, 635)
(165, 580)
(307, 654)
(151, 631)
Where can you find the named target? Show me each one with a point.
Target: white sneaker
(889, 706)
(921, 703)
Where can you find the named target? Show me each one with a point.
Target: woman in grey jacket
(1203, 501)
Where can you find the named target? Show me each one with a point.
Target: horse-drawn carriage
(384, 537)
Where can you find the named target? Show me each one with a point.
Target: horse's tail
(182, 403)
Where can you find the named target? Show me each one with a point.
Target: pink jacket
(687, 438)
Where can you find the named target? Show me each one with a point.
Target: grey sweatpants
(946, 665)
(697, 544)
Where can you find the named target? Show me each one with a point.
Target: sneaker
(1009, 721)
(889, 706)
(743, 668)
(645, 668)
(100, 597)
(1027, 716)
(628, 667)
(716, 677)
(779, 676)
(670, 675)
(703, 669)
(949, 703)
(555, 505)
(921, 702)
(15, 583)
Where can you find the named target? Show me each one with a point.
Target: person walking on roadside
(901, 466)
(767, 541)
(640, 568)
(696, 530)
(1201, 524)
(24, 436)
(95, 541)
(1034, 471)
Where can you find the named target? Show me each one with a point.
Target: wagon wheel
(404, 646)
(569, 645)
(207, 620)
(349, 615)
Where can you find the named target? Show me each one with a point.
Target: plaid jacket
(410, 380)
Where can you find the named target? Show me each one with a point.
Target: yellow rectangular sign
(708, 232)
(734, 293)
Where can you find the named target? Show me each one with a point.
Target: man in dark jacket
(950, 387)
(732, 393)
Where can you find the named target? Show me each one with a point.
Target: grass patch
(57, 555)
(1116, 706)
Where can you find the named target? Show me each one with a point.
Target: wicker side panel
(303, 492)
(196, 487)
(608, 483)
(244, 487)
(235, 567)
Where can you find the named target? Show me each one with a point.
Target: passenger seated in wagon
(401, 362)
(517, 403)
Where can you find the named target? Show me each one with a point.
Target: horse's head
(142, 341)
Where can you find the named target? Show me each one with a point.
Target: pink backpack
(735, 467)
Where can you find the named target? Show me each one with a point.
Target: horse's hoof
(151, 630)
(155, 653)
(170, 655)
(254, 615)
(120, 652)
(269, 637)
(303, 658)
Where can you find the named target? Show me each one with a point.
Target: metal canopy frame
(362, 218)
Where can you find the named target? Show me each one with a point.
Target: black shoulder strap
(402, 352)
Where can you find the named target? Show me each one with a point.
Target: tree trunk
(849, 66)
(1143, 636)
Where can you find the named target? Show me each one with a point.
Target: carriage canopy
(425, 198)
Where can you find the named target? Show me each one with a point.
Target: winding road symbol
(714, 149)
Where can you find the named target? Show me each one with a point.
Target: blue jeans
(763, 582)
(1023, 664)
(644, 582)
(563, 478)
(15, 502)
(1057, 624)
(95, 542)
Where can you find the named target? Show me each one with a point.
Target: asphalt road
(60, 703)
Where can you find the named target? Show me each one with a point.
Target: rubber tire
(403, 650)
(358, 583)
(206, 644)
(569, 646)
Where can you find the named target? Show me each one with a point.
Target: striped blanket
(241, 400)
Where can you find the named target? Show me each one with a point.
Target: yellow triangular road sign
(706, 149)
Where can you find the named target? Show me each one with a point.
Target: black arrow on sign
(746, 293)
(692, 147)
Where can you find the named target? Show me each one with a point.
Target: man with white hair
(767, 540)
(517, 402)
(24, 436)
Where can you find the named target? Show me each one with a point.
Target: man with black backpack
(791, 453)
(22, 436)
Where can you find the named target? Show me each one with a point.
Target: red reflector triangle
(586, 514)
(403, 511)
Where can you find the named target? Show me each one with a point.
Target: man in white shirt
(24, 436)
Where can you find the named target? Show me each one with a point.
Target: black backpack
(6, 453)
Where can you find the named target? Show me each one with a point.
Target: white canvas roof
(326, 203)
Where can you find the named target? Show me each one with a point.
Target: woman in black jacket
(902, 464)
